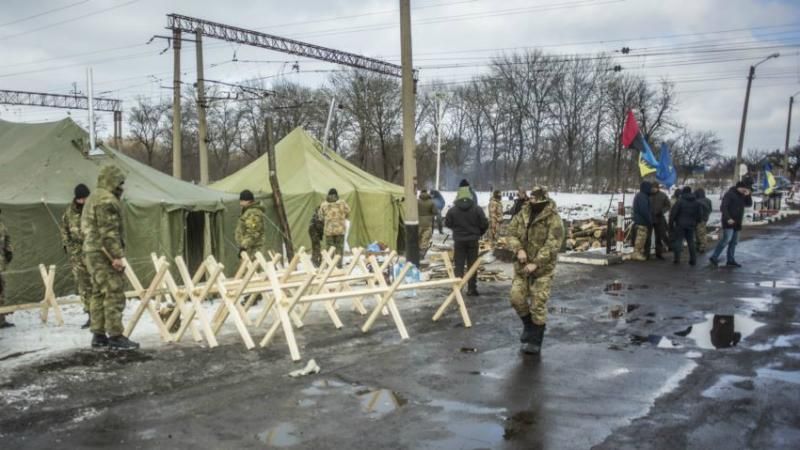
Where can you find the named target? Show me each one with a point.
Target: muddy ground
(621, 368)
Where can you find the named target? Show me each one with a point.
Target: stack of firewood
(583, 235)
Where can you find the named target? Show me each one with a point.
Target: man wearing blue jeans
(733, 204)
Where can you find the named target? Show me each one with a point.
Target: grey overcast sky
(47, 45)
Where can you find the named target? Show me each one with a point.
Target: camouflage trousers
(425, 237)
(2, 298)
(492, 235)
(316, 251)
(530, 295)
(336, 242)
(642, 231)
(83, 281)
(701, 237)
(107, 300)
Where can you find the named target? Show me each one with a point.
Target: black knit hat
(333, 191)
(464, 183)
(81, 191)
(687, 190)
(246, 195)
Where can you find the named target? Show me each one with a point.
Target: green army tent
(305, 174)
(39, 166)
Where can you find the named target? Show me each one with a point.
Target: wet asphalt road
(613, 374)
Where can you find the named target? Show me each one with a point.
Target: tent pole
(276, 192)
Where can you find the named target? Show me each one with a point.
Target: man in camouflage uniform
(495, 216)
(701, 232)
(427, 211)
(316, 230)
(535, 235)
(335, 213)
(72, 239)
(250, 230)
(6, 255)
(103, 252)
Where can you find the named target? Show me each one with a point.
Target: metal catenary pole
(177, 171)
(201, 110)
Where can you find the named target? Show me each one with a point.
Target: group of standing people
(685, 219)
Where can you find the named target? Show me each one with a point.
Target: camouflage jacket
(101, 221)
(316, 228)
(251, 229)
(334, 212)
(427, 210)
(6, 251)
(541, 239)
(495, 211)
(71, 235)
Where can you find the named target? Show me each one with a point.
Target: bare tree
(694, 149)
(145, 122)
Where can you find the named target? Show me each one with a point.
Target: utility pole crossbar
(64, 101)
(179, 23)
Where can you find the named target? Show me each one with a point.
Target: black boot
(88, 322)
(528, 330)
(121, 343)
(534, 347)
(99, 340)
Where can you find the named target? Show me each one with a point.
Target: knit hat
(539, 194)
(333, 191)
(246, 195)
(81, 191)
(687, 190)
(463, 183)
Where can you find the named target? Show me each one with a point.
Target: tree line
(531, 117)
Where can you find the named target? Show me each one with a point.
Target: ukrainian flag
(768, 183)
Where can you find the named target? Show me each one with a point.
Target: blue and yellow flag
(645, 168)
(768, 183)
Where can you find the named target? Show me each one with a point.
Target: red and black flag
(634, 139)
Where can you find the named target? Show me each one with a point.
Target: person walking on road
(72, 240)
(250, 234)
(335, 212)
(701, 233)
(659, 205)
(104, 253)
(733, 204)
(535, 235)
(6, 255)
(468, 223)
(427, 211)
(438, 202)
(683, 219)
(495, 216)
(642, 220)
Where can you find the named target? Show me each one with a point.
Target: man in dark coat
(733, 204)
(438, 202)
(519, 202)
(642, 221)
(468, 223)
(683, 218)
(465, 183)
(659, 205)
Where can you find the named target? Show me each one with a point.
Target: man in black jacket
(733, 204)
(701, 233)
(642, 220)
(683, 218)
(659, 205)
(468, 223)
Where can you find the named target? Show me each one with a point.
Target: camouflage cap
(539, 194)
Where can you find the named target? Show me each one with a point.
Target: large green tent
(306, 172)
(39, 166)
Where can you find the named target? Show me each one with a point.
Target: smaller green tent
(305, 174)
(40, 164)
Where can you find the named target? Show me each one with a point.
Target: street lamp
(788, 131)
(750, 76)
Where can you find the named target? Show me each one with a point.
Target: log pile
(438, 272)
(586, 234)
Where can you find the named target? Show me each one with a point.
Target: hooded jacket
(732, 207)
(540, 235)
(642, 215)
(427, 210)
(250, 230)
(71, 234)
(466, 218)
(101, 221)
(704, 202)
(687, 213)
(438, 200)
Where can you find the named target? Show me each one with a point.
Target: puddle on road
(780, 341)
(380, 402)
(320, 387)
(654, 340)
(91, 358)
(282, 435)
(780, 375)
(722, 331)
(617, 288)
(451, 406)
(730, 387)
(617, 311)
